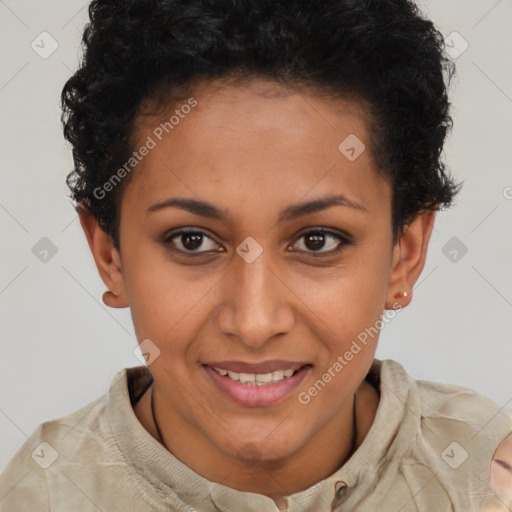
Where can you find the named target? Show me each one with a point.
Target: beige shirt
(429, 449)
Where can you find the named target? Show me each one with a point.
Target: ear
(107, 258)
(409, 255)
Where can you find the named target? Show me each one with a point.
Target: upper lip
(263, 367)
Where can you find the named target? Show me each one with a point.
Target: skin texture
(254, 149)
(501, 469)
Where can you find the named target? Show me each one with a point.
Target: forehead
(255, 143)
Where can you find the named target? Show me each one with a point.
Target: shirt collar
(385, 442)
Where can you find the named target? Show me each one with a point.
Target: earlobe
(110, 299)
(106, 258)
(409, 256)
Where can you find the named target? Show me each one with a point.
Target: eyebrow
(291, 212)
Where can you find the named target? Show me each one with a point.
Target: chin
(261, 449)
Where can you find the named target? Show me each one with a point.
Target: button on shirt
(429, 449)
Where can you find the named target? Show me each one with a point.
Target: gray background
(60, 346)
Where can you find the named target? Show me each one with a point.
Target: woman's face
(255, 288)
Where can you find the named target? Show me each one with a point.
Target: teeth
(264, 378)
(247, 378)
(258, 379)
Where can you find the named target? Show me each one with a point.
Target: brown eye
(316, 240)
(190, 242)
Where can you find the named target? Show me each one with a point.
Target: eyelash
(343, 239)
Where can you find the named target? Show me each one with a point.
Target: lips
(260, 384)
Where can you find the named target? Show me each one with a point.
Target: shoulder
(447, 407)
(459, 433)
(451, 410)
(40, 463)
(22, 483)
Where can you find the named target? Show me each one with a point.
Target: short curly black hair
(384, 52)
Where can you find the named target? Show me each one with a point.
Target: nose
(256, 303)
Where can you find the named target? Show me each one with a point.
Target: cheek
(163, 307)
(349, 304)
(349, 296)
(168, 302)
(155, 297)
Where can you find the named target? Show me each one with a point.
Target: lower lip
(252, 395)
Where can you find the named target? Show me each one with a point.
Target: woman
(258, 182)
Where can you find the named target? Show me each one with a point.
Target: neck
(320, 457)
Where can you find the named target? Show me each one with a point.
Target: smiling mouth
(257, 389)
(257, 379)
